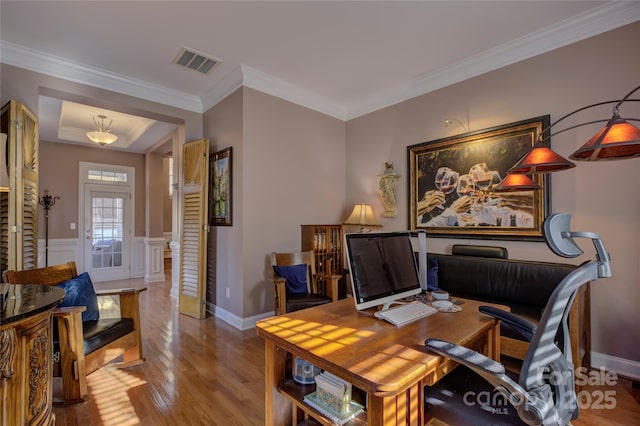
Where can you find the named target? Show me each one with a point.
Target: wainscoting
(63, 250)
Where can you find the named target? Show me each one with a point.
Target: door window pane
(107, 231)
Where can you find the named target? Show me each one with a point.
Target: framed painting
(220, 194)
(451, 183)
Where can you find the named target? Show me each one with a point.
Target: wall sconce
(450, 122)
(4, 172)
(362, 215)
(388, 188)
(618, 140)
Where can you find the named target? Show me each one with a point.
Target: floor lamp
(47, 201)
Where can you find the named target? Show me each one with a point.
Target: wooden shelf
(326, 243)
(295, 392)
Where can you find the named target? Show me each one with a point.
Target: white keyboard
(407, 313)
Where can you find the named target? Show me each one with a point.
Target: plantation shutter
(193, 249)
(28, 239)
(19, 207)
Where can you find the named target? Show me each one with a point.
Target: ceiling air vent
(196, 61)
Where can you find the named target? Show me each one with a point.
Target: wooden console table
(25, 353)
(389, 363)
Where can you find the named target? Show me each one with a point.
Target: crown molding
(274, 86)
(44, 63)
(593, 22)
(247, 76)
(588, 24)
(226, 86)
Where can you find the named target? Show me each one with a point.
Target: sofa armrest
(129, 304)
(120, 291)
(69, 310)
(331, 284)
(72, 359)
(280, 290)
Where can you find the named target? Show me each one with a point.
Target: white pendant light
(102, 135)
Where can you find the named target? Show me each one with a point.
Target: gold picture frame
(451, 181)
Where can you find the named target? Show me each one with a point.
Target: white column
(154, 259)
(175, 268)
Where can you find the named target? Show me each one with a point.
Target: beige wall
(59, 168)
(154, 217)
(294, 173)
(288, 170)
(223, 128)
(601, 196)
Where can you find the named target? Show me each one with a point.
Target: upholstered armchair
(296, 284)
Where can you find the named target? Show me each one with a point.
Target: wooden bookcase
(326, 242)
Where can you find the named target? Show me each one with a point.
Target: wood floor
(205, 372)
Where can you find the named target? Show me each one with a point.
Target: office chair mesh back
(545, 391)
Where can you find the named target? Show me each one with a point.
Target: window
(106, 176)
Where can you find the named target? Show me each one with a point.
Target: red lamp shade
(616, 141)
(541, 159)
(516, 182)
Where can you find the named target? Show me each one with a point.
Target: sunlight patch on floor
(109, 390)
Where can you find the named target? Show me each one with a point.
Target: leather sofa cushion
(98, 333)
(524, 286)
(295, 302)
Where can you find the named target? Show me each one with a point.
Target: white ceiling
(341, 58)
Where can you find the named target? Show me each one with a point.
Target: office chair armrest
(465, 356)
(530, 402)
(522, 326)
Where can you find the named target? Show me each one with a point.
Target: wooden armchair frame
(73, 364)
(325, 284)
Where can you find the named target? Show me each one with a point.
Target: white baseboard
(234, 320)
(624, 367)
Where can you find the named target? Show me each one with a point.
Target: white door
(107, 232)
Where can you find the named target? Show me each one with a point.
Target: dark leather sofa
(485, 273)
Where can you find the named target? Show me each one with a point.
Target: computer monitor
(383, 268)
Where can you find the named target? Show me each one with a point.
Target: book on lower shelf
(339, 418)
(333, 392)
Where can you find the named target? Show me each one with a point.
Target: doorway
(107, 214)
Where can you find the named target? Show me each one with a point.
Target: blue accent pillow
(80, 292)
(296, 276)
(432, 274)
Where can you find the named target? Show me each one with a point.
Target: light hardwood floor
(206, 372)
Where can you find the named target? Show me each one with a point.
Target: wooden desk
(389, 363)
(25, 353)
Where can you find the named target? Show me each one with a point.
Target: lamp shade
(102, 138)
(102, 135)
(362, 215)
(541, 159)
(616, 141)
(4, 172)
(516, 182)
